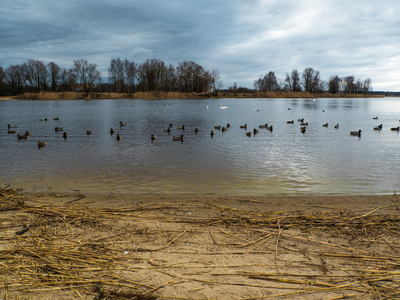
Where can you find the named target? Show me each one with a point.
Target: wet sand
(82, 246)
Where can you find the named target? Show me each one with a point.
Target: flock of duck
(12, 129)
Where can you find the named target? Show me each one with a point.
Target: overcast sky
(241, 39)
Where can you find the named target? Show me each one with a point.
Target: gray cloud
(241, 39)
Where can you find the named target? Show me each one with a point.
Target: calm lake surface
(323, 160)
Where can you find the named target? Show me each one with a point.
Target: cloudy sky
(241, 39)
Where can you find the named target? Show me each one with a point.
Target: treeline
(125, 76)
(310, 81)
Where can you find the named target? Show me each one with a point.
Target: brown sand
(77, 246)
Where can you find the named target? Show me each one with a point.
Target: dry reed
(153, 250)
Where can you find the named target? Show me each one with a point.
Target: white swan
(222, 107)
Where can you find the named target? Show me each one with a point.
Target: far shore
(177, 95)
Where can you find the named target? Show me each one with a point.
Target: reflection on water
(323, 160)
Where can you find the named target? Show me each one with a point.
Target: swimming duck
(395, 128)
(167, 129)
(270, 128)
(153, 137)
(248, 133)
(22, 136)
(180, 127)
(243, 126)
(290, 122)
(263, 126)
(379, 127)
(300, 120)
(255, 131)
(337, 126)
(118, 137)
(45, 119)
(303, 129)
(58, 129)
(10, 131)
(356, 133)
(224, 129)
(325, 125)
(196, 130)
(304, 124)
(64, 135)
(178, 138)
(56, 119)
(217, 127)
(88, 132)
(222, 107)
(375, 118)
(112, 131)
(122, 124)
(41, 144)
(12, 126)
(228, 125)
(212, 133)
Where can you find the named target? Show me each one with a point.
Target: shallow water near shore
(322, 160)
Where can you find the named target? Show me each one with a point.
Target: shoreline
(160, 246)
(178, 95)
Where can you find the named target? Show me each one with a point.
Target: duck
(325, 125)
(65, 135)
(379, 127)
(289, 108)
(270, 128)
(43, 119)
(375, 118)
(180, 127)
(28, 133)
(56, 129)
(217, 127)
(356, 133)
(212, 133)
(222, 107)
(224, 129)
(257, 109)
(153, 137)
(22, 136)
(248, 133)
(41, 144)
(118, 137)
(263, 126)
(112, 131)
(300, 120)
(56, 119)
(167, 129)
(178, 138)
(88, 132)
(337, 126)
(243, 126)
(395, 128)
(304, 124)
(122, 124)
(228, 125)
(196, 130)
(11, 131)
(290, 122)
(303, 129)
(255, 131)
(12, 126)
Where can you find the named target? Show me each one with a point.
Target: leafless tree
(130, 68)
(292, 81)
(68, 80)
(311, 81)
(15, 78)
(334, 84)
(151, 74)
(54, 73)
(87, 73)
(267, 83)
(2, 81)
(216, 83)
(116, 74)
(36, 75)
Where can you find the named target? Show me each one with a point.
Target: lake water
(322, 160)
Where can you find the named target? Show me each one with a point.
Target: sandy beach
(88, 246)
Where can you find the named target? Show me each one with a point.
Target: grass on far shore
(175, 95)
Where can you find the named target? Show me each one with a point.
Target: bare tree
(87, 73)
(130, 68)
(15, 78)
(2, 81)
(36, 75)
(54, 73)
(292, 81)
(151, 74)
(267, 83)
(116, 74)
(334, 84)
(216, 83)
(311, 80)
(68, 80)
